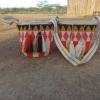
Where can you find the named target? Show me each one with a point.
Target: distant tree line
(41, 8)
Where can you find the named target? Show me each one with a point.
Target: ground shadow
(49, 78)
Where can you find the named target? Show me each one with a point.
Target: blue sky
(27, 3)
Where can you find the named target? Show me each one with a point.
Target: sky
(27, 3)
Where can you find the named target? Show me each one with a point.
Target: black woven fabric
(39, 49)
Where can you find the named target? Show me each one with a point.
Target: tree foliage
(42, 7)
(42, 4)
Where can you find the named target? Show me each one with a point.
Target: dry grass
(83, 7)
(34, 16)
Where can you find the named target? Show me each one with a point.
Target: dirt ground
(49, 78)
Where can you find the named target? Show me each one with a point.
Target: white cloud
(27, 3)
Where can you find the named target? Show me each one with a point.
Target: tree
(42, 4)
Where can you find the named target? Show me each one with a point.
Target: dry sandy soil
(49, 78)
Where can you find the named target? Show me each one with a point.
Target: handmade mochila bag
(77, 39)
(35, 38)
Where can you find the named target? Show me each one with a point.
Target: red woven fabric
(51, 45)
(65, 36)
(91, 35)
(85, 36)
(32, 36)
(78, 36)
(64, 43)
(87, 46)
(72, 36)
(50, 36)
(75, 43)
(27, 44)
(45, 36)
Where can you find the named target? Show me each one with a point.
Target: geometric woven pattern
(81, 41)
(77, 40)
(76, 35)
(28, 38)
